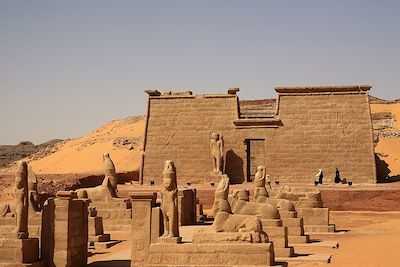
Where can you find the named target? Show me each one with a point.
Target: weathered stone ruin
(285, 139)
(16, 247)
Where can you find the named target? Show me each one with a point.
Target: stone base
(302, 239)
(287, 214)
(35, 264)
(319, 228)
(314, 216)
(316, 247)
(227, 254)
(100, 238)
(104, 245)
(15, 250)
(209, 237)
(312, 258)
(20, 235)
(169, 240)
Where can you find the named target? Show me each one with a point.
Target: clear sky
(67, 67)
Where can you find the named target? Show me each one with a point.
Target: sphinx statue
(221, 195)
(217, 152)
(21, 200)
(109, 172)
(240, 205)
(169, 200)
(228, 226)
(303, 197)
(261, 194)
(101, 193)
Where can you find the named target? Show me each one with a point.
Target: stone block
(275, 231)
(291, 222)
(19, 250)
(295, 230)
(302, 239)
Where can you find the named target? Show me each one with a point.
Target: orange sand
(84, 155)
(393, 108)
(390, 146)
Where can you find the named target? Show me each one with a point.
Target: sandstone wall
(314, 128)
(179, 128)
(324, 130)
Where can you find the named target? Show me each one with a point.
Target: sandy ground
(84, 155)
(390, 146)
(372, 240)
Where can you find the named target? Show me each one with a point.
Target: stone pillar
(65, 238)
(142, 204)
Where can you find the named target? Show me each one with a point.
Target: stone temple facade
(305, 129)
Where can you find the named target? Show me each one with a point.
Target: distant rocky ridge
(12, 153)
(376, 100)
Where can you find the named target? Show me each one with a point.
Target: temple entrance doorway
(255, 156)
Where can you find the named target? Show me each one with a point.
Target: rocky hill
(10, 153)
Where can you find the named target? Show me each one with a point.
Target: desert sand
(371, 240)
(84, 154)
(390, 146)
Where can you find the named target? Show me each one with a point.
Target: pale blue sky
(67, 67)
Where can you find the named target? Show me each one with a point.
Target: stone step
(267, 222)
(103, 245)
(295, 230)
(284, 252)
(319, 228)
(99, 238)
(275, 231)
(279, 242)
(325, 235)
(287, 214)
(311, 258)
(316, 247)
(298, 239)
(291, 222)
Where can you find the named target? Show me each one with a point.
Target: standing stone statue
(21, 200)
(259, 181)
(169, 200)
(34, 202)
(109, 172)
(217, 151)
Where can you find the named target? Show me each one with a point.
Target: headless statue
(169, 200)
(21, 200)
(109, 172)
(217, 151)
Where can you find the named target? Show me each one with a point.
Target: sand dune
(390, 146)
(121, 138)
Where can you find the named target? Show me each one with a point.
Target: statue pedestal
(19, 251)
(170, 240)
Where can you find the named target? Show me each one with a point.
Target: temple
(305, 129)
